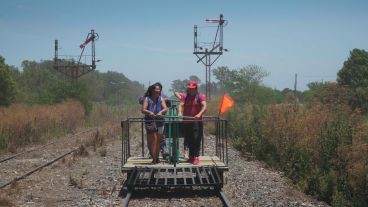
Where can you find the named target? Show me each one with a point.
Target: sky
(150, 41)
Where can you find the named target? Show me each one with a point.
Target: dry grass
(96, 140)
(320, 141)
(104, 115)
(5, 201)
(301, 128)
(21, 124)
(212, 110)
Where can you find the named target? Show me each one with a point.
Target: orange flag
(226, 103)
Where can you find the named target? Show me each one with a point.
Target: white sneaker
(186, 153)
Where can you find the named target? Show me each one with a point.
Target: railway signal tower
(75, 69)
(208, 53)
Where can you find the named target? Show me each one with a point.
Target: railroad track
(185, 193)
(41, 147)
(36, 169)
(22, 164)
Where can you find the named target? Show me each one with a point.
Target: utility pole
(204, 54)
(295, 94)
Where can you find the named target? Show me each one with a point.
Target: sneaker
(186, 153)
(195, 160)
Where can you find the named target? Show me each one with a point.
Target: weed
(85, 172)
(3, 141)
(103, 152)
(73, 181)
(82, 151)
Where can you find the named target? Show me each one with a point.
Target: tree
(195, 78)
(329, 94)
(354, 75)
(243, 83)
(180, 85)
(7, 84)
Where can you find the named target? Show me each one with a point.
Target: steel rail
(36, 169)
(38, 148)
(224, 199)
(220, 194)
(31, 150)
(127, 199)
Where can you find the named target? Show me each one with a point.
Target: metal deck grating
(174, 177)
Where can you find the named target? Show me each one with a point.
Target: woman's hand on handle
(198, 116)
(180, 116)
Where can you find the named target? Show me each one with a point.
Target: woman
(153, 108)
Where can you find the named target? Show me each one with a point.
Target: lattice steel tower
(69, 67)
(204, 50)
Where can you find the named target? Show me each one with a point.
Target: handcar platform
(134, 162)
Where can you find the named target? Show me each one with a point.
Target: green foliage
(337, 133)
(339, 200)
(180, 85)
(327, 185)
(296, 163)
(7, 84)
(354, 74)
(317, 162)
(40, 83)
(246, 129)
(112, 88)
(63, 90)
(245, 85)
(3, 141)
(360, 99)
(195, 78)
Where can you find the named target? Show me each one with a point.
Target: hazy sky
(152, 40)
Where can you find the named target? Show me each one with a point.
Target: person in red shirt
(193, 104)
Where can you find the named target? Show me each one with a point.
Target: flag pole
(222, 101)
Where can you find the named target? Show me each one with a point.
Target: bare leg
(155, 146)
(149, 142)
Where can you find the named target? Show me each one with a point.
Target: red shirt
(192, 106)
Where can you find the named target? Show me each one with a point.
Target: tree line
(39, 83)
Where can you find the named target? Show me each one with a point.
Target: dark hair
(159, 85)
(187, 91)
(151, 88)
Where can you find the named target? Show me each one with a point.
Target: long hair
(151, 89)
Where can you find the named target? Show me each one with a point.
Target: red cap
(192, 84)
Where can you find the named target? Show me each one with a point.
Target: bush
(319, 147)
(3, 141)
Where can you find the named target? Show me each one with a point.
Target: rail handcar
(175, 172)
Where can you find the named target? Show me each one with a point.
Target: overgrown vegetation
(21, 124)
(37, 101)
(318, 137)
